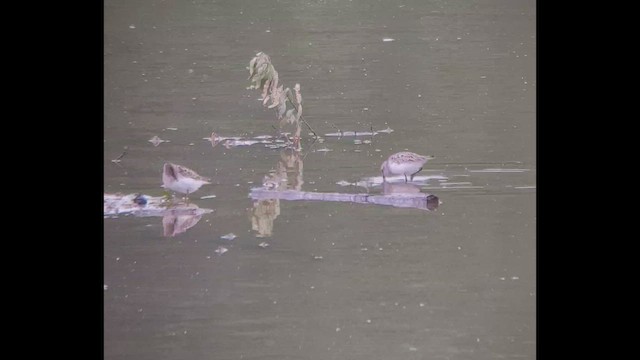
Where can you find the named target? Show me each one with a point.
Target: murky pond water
(323, 278)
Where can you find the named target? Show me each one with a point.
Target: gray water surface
(323, 279)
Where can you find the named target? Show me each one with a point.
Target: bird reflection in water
(286, 176)
(399, 188)
(180, 218)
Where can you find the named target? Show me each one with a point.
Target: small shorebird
(403, 163)
(181, 179)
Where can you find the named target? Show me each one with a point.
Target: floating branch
(419, 200)
(341, 133)
(235, 141)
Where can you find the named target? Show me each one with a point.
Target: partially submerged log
(403, 200)
(177, 216)
(146, 205)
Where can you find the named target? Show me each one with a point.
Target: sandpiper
(404, 163)
(181, 179)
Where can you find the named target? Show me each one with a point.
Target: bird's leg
(405, 177)
(276, 132)
(414, 174)
(384, 179)
(297, 138)
(169, 198)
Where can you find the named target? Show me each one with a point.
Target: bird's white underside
(185, 185)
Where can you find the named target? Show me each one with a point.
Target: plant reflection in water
(286, 176)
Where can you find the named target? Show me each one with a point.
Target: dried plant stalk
(264, 76)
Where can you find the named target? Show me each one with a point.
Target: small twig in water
(122, 155)
(309, 126)
(337, 128)
(310, 147)
(279, 133)
(119, 158)
(372, 133)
